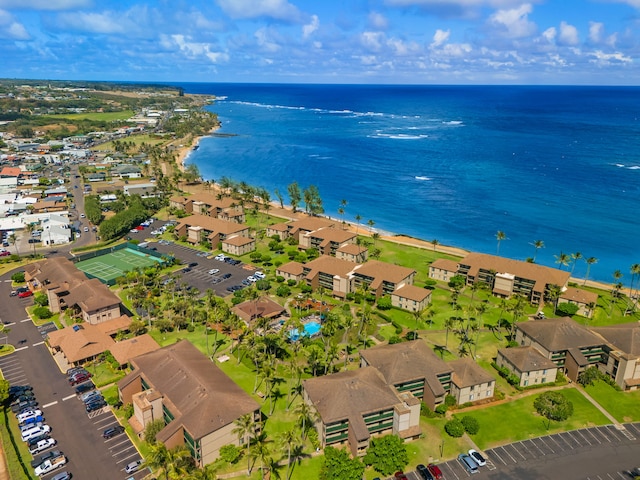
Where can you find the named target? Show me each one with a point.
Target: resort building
(330, 273)
(585, 301)
(411, 367)
(238, 245)
(262, 307)
(470, 382)
(198, 228)
(356, 404)
(412, 298)
(381, 278)
(297, 228)
(353, 253)
(223, 208)
(67, 287)
(572, 347)
(505, 277)
(196, 400)
(528, 364)
(621, 357)
(443, 269)
(281, 230)
(291, 271)
(327, 240)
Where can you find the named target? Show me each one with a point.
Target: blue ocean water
(454, 163)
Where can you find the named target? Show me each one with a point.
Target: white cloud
(311, 27)
(550, 34)
(377, 21)
(94, 22)
(10, 28)
(602, 58)
(265, 39)
(596, 30)
(460, 3)
(193, 49)
(568, 34)
(402, 48)
(45, 4)
(440, 37)
(514, 22)
(372, 40)
(276, 9)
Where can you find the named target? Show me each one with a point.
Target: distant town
(207, 328)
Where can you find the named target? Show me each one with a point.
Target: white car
(29, 413)
(259, 275)
(213, 271)
(34, 432)
(49, 466)
(133, 466)
(477, 457)
(252, 279)
(42, 445)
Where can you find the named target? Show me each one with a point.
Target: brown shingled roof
(80, 342)
(350, 394)
(580, 296)
(467, 372)
(329, 265)
(406, 361)
(202, 397)
(91, 295)
(445, 264)
(383, 271)
(412, 292)
(557, 334)
(125, 350)
(526, 359)
(212, 224)
(352, 249)
(260, 307)
(625, 337)
(292, 268)
(540, 274)
(332, 234)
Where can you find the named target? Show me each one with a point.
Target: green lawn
(624, 406)
(97, 116)
(518, 420)
(103, 374)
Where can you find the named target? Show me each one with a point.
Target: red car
(139, 228)
(400, 476)
(435, 471)
(79, 378)
(5, 253)
(26, 293)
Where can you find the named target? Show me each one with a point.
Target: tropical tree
(635, 271)
(537, 244)
(574, 259)
(371, 223)
(288, 440)
(358, 217)
(435, 243)
(387, 454)
(553, 405)
(562, 260)
(338, 465)
(306, 417)
(500, 236)
(245, 429)
(590, 261)
(295, 195)
(13, 239)
(278, 195)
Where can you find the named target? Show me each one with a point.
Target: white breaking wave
(399, 136)
(422, 178)
(628, 167)
(453, 122)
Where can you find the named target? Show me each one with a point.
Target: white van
(34, 432)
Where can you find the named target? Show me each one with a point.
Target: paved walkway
(598, 406)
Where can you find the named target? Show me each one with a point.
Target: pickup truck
(50, 465)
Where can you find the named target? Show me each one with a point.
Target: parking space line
(608, 431)
(106, 419)
(590, 431)
(20, 349)
(527, 449)
(116, 445)
(123, 450)
(68, 397)
(578, 432)
(9, 324)
(50, 404)
(621, 475)
(493, 452)
(9, 361)
(564, 440)
(25, 320)
(509, 455)
(36, 344)
(517, 451)
(536, 445)
(634, 427)
(134, 455)
(452, 471)
(546, 445)
(573, 439)
(12, 368)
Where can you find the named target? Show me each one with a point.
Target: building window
(526, 382)
(544, 380)
(544, 372)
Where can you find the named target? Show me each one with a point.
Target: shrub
(397, 326)
(41, 299)
(42, 312)
(394, 339)
(283, 291)
(291, 282)
(279, 279)
(190, 328)
(450, 401)
(230, 453)
(454, 428)
(304, 288)
(426, 411)
(471, 424)
(384, 303)
(152, 429)
(567, 309)
(263, 285)
(18, 277)
(128, 411)
(441, 409)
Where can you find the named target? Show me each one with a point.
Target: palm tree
(245, 428)
(449, 323)
(575, 257)
(306, 417)
(537, 244)
(288, 439)
(13, 239)
(590, 261)
(158, 458)
(30, 228)
(635, 271)
(500, 235)
(371, 223)
(435, 243)
(358, 218)
(562, 259)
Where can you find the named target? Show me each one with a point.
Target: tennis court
(112, 265)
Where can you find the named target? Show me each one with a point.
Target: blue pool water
(310, 329)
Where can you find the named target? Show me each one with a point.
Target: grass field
(97, 116)
(518, 420)
(136, 139)
(112, 265)
(624, 406)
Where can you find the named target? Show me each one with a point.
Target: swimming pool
(310, 329)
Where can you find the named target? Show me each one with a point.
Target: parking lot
(78, 434)
(198, 276)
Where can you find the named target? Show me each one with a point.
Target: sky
(571, 42)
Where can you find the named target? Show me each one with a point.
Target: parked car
(424, 472)
(478, 458)
(34, 432)
(468, 463)
(79, 378)
(112, 432)
(5, 253)
(28, 293)
(41, 446)
(84, 387)
(22, 406)
(32, 420)
(31, 425)
(34, 440)
(93, 406)
(91, 396)
(50, 465)
(61, 476)
(19, 389)
(133, 466)
(226, 275)
(259, 275)
(193, 264)
(74, 370)
(400, 475)
(435, 471)
(213, 271)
